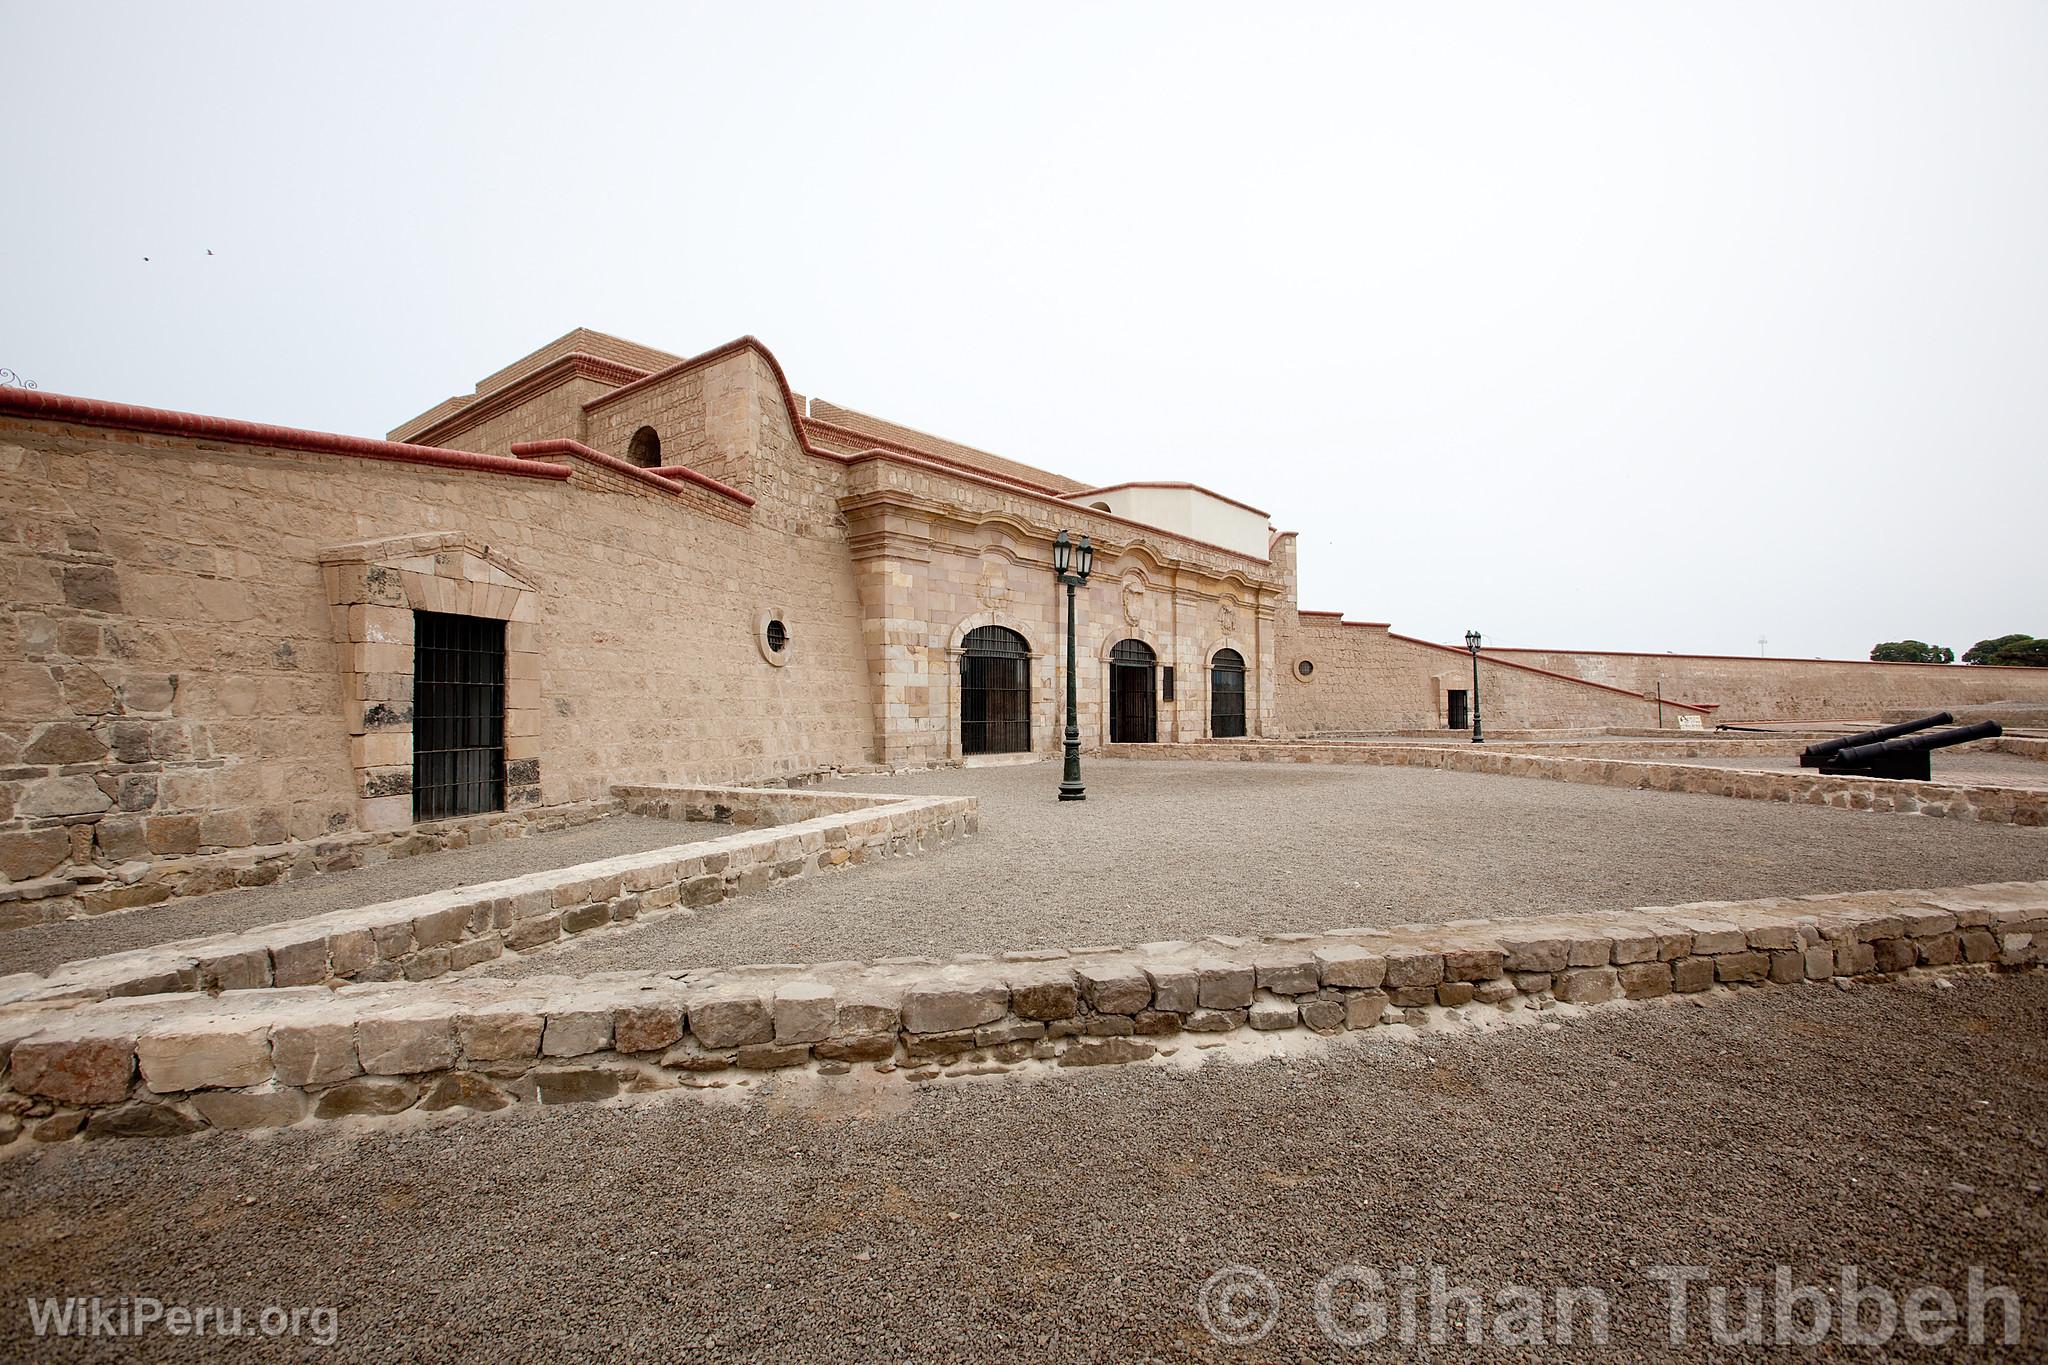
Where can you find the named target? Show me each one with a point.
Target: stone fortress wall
(1367, 677)
(1745, 689)
(174, 681)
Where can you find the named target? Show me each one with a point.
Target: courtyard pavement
(1165, 850)
(1897, 1129)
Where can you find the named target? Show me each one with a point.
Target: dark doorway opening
(995, 692)
(1133, 693)
(1460, 719)
(458, 715)
(1226, 695)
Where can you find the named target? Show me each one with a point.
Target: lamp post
(1472, 643)
(1072, 569)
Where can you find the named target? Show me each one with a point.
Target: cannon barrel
(1918, 743)
(1814, 753)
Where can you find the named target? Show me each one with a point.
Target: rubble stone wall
(90, 889)
(171, 1064)
(1954, 801)
(419, 937)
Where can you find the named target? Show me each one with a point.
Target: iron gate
(1226, 695)
(1133, 705)
(995, 692)
(458, 715)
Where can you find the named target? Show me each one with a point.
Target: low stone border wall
(173, 1064)
(2026, 746)
(426, 936)
(168, 866)
(1438, 732)
(1954, 801)
(746, 807)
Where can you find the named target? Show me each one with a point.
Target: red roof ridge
(64, 407)
(797, 422)
(669, 480)
(1031, 474)
(868, 442)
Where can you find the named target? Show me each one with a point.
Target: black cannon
(1904, 757)
(1816, 754)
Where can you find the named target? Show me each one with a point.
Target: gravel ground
(1900, 1129)
(1178, 850)
(38, 948)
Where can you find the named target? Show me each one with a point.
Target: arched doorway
(1133, 693)
(1226, 695)
(995, 692)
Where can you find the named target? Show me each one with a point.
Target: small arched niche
(645, 448)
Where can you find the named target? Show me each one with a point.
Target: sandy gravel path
(1074, 1218)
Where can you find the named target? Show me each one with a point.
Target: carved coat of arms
(994, 587)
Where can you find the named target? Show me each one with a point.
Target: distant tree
(1911, 652)
(1984, 651)
(2022, 654)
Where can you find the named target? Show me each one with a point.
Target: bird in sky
(209, 251)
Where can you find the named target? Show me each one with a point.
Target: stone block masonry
(83, 888)
(1946, 800)
(421, 937)
(171, 1064)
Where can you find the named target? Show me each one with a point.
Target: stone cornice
(885, 483)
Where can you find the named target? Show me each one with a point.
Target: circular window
(771, 636)
(1304, 668)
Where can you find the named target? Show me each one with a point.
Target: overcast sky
(1620, 326)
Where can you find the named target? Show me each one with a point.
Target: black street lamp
(1472, 643)
(1083, 564)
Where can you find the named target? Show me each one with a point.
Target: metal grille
(458, 715)
(1226, 695)
(1133, 707)
(995, 693)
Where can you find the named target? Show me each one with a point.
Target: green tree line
(2006, 651)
